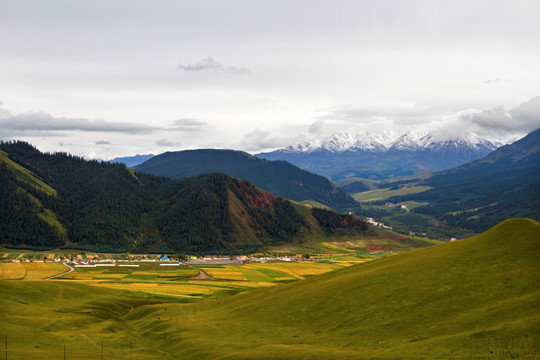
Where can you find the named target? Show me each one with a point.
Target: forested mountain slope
(278, 177)
(54, 200)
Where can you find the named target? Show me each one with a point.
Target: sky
(110, 78)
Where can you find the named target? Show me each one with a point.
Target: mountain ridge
(383, 155)
(278, 177)
(391, 140)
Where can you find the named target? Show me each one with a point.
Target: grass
(383, 194)
(456, 300)
(315, 204)
(354, 245)
(26, 175)
(475, 298)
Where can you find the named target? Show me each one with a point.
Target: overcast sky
(108, 78)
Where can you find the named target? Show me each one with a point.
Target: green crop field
(475, 298)
(382, 194)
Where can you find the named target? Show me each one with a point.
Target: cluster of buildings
(377, 224)
(400, 205)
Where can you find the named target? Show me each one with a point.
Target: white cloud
(527, 115)
(262, 139)
(209, 64)
(189, 125)
(316, 127)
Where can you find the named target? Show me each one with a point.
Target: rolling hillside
(58, 200)
(277, 177)
(469, 299)
(475, 298)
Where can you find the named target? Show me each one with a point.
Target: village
(130, 260)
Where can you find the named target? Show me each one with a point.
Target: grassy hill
(475, 298)
(466, 298)
(278, 177)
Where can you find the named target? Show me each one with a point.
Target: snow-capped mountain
(384, 154)
(392, 140)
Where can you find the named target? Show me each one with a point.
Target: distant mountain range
(58, 200)
(476, 196)
(277, 177)
(131, 161)
(383, 155)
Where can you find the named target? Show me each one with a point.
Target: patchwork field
(30, 271)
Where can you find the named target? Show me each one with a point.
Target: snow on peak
(391, 140)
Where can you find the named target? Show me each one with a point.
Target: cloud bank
(42, 123)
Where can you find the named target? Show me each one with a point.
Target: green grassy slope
(467, 298)
(40, 317)
(471, 299)
(25, 174)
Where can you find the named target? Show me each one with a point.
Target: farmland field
(29, 271)
(382, 194)
(151, 278)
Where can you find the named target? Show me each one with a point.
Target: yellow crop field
(187, 290)
(38, 271)
(37, 266)
(310, 272)
(12, 271)
(333, 245)
(225, 274)
(301, 269)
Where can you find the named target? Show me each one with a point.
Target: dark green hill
(277, 177)
(58, 200)
(470, 299)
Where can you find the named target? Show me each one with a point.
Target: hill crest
(277, 177)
